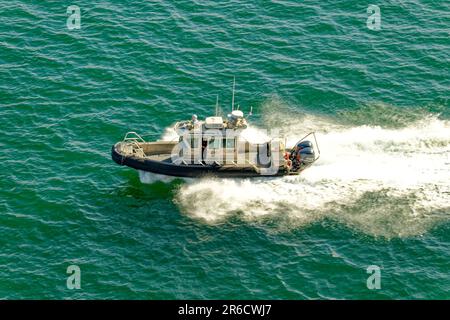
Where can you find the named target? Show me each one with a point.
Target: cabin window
(229, 143)
(215, 143)
(194, 142)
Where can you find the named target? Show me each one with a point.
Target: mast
(232, 100)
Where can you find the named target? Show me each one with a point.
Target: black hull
(190, 171)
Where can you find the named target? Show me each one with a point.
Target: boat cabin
(216, 141)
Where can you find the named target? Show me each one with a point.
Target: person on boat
(295, 157)
(194, 119)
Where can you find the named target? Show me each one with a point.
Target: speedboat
(216, 146)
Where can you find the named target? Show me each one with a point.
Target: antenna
(217, 105)
(251, 111)
(234, 85)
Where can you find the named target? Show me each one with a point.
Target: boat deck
(163, 157)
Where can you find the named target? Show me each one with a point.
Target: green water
(379, 101)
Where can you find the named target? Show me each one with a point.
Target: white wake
(387, 182)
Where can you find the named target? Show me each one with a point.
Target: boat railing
(133, 136)
(316, 145)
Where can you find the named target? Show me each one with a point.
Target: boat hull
(190, 171)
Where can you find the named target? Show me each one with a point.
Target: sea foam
(383, 181)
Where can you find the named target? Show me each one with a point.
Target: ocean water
(379, 195)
